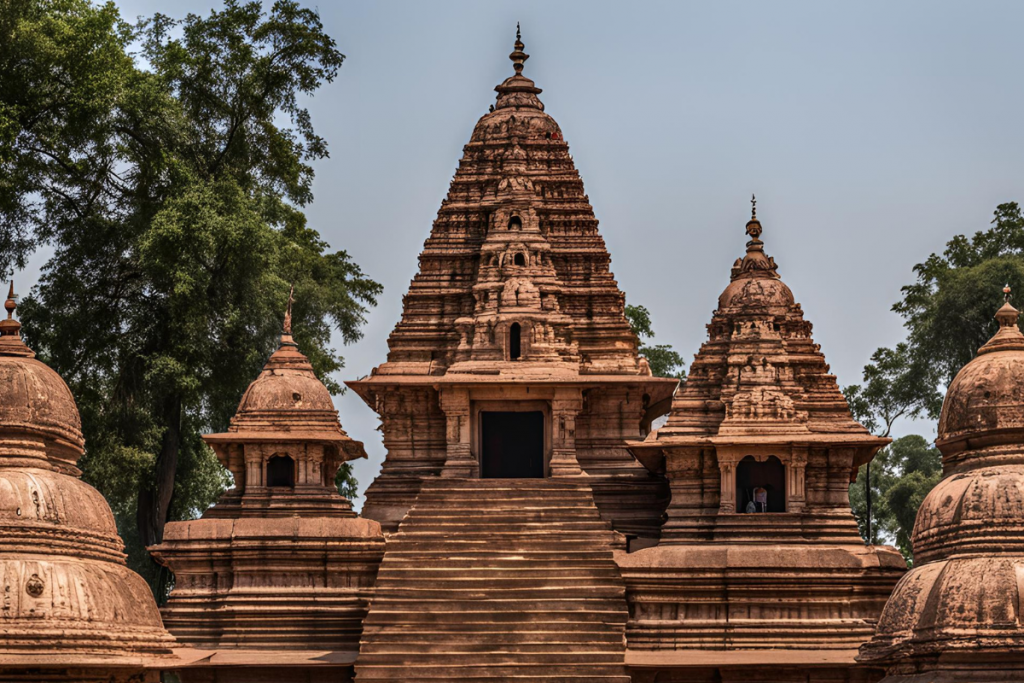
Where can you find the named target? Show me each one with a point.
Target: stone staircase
(498, 579)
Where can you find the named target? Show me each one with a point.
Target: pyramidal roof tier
(514, 280)
(759, 378)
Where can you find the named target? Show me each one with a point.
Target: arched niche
(515, 341)
(519, 259)
(281, 471)
(754, 477)
(515, 223)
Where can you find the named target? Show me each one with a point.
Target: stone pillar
(460, 462)
(727, 498)
(253, 468)
(565, 406)
(796, 468)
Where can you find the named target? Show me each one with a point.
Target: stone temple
(528, 523)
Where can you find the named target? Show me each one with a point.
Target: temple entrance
(512, 445)
(760, 486)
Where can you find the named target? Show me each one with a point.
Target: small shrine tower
(72, 610)
(274, 580)
(513, 357)
(760, 565)
(956, 616)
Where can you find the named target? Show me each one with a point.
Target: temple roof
(287, 402)
(759, 378)
(515, 243)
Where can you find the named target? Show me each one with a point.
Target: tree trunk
(155, 496)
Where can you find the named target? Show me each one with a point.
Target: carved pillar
(253, 467)
(459, 462)
(565, 406)
(795, 480)
(727, 466)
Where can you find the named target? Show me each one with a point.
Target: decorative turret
(276, 576)
(956, 616)
(72, 608)
(284, 445)
(759, 449)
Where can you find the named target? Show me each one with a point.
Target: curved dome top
(983, 404)
(287, 402)
(34, 399)
(755, 279)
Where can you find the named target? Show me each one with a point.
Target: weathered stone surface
(515, 255)
(71, 609)
(274, 581)
(498, 579)
(726, 585)
(956, 616)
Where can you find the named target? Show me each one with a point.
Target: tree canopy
(169, 184)
(663, 360)
(949, 314)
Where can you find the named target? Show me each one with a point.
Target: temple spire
(518, 57)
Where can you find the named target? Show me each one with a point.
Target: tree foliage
(663, 360)
(902, 474)
(949, 314)
(169, 185)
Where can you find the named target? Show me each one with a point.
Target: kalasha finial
(753, 225)
(518, 57)
(1007, 315)
(753, 207)
(1006, 293)
(288, 311)
(11, 304)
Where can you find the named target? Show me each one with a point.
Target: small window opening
(515, 223)
(515, 341)
(519, 260)
(281, 471)
(760, 486)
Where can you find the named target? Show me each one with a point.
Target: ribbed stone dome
(69, 599)
(984, 405)
(760, 291)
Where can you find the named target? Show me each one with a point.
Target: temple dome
(755, 279)
(71, 599)
(34, 399)
(981, 511)
(983, 404)
(960, 604)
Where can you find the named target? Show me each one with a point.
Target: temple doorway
(512, 445)
(760, 486)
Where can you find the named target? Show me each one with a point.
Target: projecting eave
(658, 388)
(651, 452)
(726, 657)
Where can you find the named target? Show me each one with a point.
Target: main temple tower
(513, 357)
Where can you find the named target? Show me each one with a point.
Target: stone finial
(288, 311)
(1007, 315)
(10, 329)
(518, 57)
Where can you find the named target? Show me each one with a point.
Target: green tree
(948, 311)
(664, 361)
(170, 186)
(346, 482)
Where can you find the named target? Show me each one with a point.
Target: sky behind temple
(871, 132)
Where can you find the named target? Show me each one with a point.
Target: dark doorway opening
(515, 343)
(519, 260)
(760, 486)
(512, 444)
(280, 471)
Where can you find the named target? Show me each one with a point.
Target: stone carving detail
(275, 557)
(759, 401)
(513, 302)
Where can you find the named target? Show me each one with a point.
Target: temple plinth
(275, 579)
(760, 561)
(72, 610)
(955, 617)
(515, 326)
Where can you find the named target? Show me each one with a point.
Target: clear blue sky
(872, 132)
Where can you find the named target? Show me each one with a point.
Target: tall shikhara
(515, 310)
